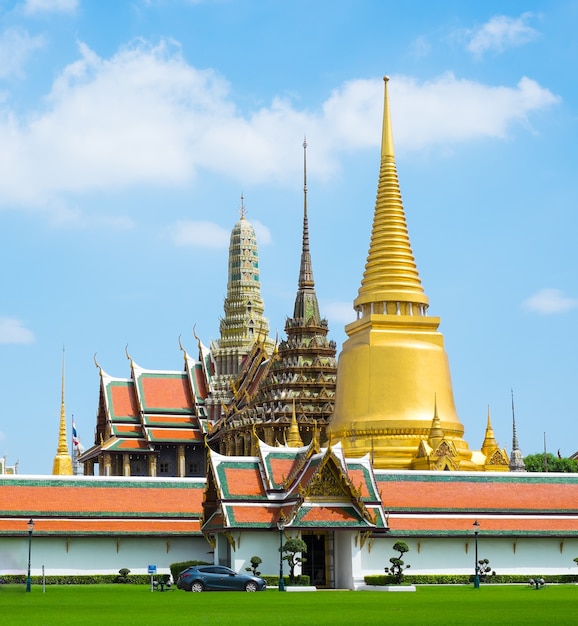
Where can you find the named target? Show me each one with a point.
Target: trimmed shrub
(465, 579)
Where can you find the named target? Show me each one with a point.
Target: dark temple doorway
(316, 564)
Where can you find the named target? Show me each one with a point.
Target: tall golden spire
(62, 465)
(393, 362)
(391, 280)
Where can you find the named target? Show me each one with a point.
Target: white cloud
(199, 234)
(204, 234)
(146, 117)
(340, 313)
(446, 110)
(13, 331)
(500, 33)
(16, 46)
(49, 6)
(550, 301)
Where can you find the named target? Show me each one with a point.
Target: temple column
(181, 461)
(106, 465)
(126, 464)
(152, 465)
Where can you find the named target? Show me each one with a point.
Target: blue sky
(129, 131)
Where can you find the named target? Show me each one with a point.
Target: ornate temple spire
(244, 322)
(306, 305)
(516, 459)
(391, 281)
(62, 465)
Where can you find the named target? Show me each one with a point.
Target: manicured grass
(432, 605)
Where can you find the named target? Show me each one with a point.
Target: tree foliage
(549, 463)
(397, 565)
(291, 549)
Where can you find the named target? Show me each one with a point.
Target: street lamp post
(476, 566)
(30, 529)
(281, 527)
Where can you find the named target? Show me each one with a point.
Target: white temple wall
(106, 555)
(98, 555)
(262, 544)
(532, 556)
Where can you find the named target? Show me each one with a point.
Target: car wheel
(197, 586)
(251, 586)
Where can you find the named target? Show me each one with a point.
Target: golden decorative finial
(127, 354)
(96, 362)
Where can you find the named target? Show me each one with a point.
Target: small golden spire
(436, 434)
(490, 443)
(294, 440)
(62, 465)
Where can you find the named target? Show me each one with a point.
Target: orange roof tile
(280, 468)
(101, 526)
(243, 481)
(123, 400)
(166, 392)
(517, 524)
(82, 498)
(490, 494)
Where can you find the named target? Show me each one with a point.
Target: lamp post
(281, 527)
(476, 567)
(30, 529)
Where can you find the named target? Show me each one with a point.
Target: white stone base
(385, 588)
(303, 588)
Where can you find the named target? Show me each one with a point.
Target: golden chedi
(394, 395)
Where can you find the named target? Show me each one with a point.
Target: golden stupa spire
(391, 281)
(393, 362)
(62, 465)
(490, 442)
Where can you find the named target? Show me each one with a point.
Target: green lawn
(132, 604)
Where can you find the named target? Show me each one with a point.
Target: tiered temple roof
(307, 487)
(140, 415)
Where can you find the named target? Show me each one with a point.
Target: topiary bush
(123, 576)
(255, 562)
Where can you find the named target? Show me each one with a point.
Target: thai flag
(75, 439)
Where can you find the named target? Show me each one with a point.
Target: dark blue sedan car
(218, 578)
